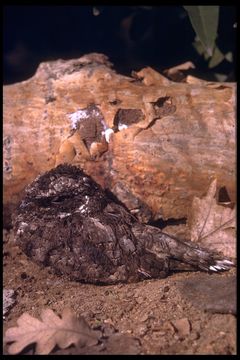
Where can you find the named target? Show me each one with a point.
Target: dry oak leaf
(8, 300)
(182, 67)
(213, 225)
(49, 332)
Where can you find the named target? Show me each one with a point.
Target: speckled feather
(67, 221)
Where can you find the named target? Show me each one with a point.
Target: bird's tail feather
(184, 251)
(199, 257)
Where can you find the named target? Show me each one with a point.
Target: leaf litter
(50, 331)
(213, 225)
(8, 300)
(210, 223)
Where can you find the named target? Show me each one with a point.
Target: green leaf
(216, 59)
(229, 56)
(200, 49)
(220, 77)
(204, 20)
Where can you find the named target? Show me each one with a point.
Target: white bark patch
(77, 116)
(107, 134)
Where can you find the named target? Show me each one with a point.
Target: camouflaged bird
(68, 222)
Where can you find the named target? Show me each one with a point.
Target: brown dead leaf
(49, 332)
(213, 225)
(176, 73)
(8, 300)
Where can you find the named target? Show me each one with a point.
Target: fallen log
(154, 143)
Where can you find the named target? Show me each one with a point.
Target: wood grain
(179, 136)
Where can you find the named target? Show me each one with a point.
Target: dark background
(131, 36)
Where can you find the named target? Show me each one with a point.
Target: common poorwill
(67, 221)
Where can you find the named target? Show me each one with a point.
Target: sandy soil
(154, 314)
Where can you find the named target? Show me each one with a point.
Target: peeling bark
(153, 142)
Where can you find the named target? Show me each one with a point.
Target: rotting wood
(168, 140)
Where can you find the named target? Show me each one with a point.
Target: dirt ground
(155, 315)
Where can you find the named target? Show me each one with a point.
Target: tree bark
(168, 140)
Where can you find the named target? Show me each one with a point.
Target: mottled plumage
(68, 222)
